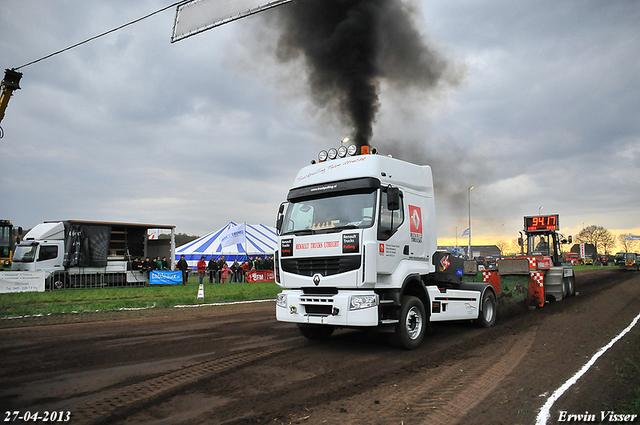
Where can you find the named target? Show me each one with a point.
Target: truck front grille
(326, 266)
(318, 310)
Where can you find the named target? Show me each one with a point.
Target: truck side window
(48, 253)
(389, 221)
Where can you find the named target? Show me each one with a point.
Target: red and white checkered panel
(537, 277)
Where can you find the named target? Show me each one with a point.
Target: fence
(61, 280)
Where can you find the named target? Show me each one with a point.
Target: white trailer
(75, 253)
(357, 248)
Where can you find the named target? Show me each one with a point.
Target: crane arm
(10, 83)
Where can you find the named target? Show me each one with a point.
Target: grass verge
(66, 301)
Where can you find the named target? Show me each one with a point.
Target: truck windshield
(25, 253)
(345, 211)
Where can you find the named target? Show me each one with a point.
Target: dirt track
(237, 365)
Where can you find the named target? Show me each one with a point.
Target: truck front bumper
(347, 308)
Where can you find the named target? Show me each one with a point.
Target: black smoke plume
(350, 46)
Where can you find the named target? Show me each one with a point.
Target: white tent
(258, 240)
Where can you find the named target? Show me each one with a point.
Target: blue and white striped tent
(261, 241)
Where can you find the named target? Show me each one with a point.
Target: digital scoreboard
(541, 222)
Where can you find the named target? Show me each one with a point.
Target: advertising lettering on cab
(350, 243)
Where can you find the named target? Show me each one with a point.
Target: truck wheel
(489, 311)
(57, 281)
(570, 288)
(316, 331)
(413, 323)
(573, 286)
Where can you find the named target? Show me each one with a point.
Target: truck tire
(489, 310)
(413, 324)
(57, 281)
(571, 287)
(316, 331)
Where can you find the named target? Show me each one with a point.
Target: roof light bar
(334, 153)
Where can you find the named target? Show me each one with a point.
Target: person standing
(235, 271)
(202, 266)
(183, 266)
(211, 268)
(225, 273)
(245, 269)
(219, 264)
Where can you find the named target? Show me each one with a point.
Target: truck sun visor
(313, 191)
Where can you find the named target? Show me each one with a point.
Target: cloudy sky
(543, 115)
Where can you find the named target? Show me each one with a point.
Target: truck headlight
(281, 300)
(357, 302)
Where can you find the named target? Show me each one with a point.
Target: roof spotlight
(352, 150)
(333, 153)
(322, 156)
(342, 151)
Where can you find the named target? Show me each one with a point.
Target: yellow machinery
(10, 83)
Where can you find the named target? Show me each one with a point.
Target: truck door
(417, 218)
(49, 258)
(391, 242)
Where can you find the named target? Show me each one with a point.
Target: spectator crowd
(147, 264)
(219, 270)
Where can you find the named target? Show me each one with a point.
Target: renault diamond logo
(316, 278)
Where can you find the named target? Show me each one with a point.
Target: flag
(154, 234)
(233, 235)
(466, 232)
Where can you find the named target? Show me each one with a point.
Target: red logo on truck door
(415, 218)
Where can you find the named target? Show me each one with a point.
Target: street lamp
(539, 208)
(469, 248)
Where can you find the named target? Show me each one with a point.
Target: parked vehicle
(587, 260)
(572, 258)
(7, 243)
(84, 254)
(631, 261)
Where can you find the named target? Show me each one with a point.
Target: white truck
(357, 249)
(84, 254)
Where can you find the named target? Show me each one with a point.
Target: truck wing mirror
(280, 217)
(393, 198)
